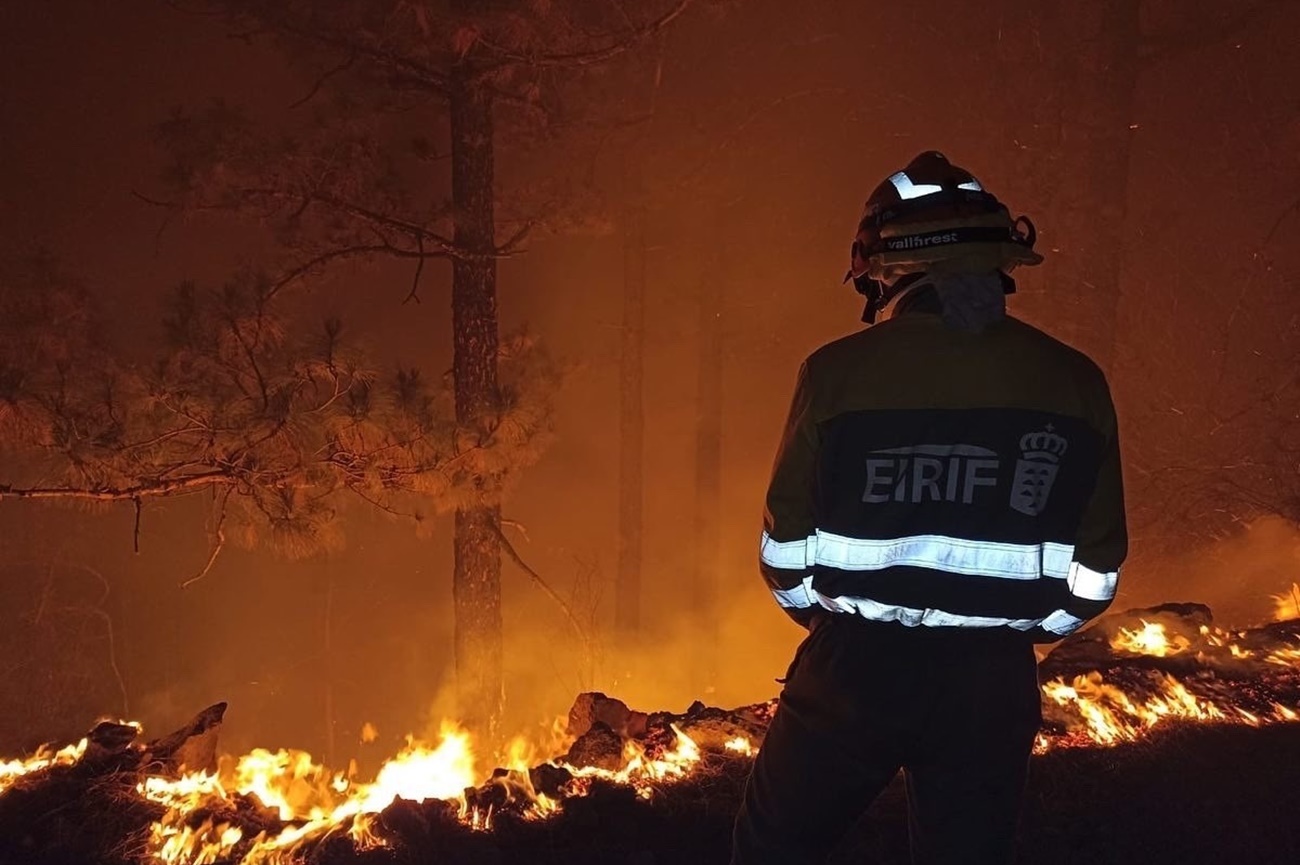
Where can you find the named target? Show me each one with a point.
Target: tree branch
(415, 281)
(152, 489)
(511, 246)
(579, 59)
(404, 67)
(99, 612)
(218, 545)
(1288, 211)
(320, 82)
(542, 584)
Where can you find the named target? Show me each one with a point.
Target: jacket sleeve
(788, 545)
(1101, 543)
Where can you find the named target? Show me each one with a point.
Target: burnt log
(193, 747)
(549, 779)
(108, 744)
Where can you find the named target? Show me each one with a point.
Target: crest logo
(1036, 470)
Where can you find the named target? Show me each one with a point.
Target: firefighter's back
(953, 471)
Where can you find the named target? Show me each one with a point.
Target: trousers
(957, 711)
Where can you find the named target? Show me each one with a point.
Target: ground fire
(178, 803)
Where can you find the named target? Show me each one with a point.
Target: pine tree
(455, 80)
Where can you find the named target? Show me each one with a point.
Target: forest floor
(1191, 794)
(1187, 794)
(1183, 795)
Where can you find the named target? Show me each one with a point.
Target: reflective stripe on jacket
(934, 477)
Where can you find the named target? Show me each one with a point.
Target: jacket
(944, 479)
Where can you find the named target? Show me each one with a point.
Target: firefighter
(946, 494)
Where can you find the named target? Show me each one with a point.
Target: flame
(741, 745)
(1287, 604)
(419, 772)
(12, 770)
(641, 770)
(1150, 639)
(312, 802)
(265, 807)
(305, 795)
(1111, 716)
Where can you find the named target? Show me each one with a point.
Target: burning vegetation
(113, 797)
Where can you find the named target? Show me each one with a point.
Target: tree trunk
(708, 473)
(476, 580)
(327, 666)
(627, 590)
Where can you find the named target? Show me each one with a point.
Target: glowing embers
(641, 769)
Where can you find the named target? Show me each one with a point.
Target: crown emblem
(1043, 446)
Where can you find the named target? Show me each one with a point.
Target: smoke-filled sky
(769, 125)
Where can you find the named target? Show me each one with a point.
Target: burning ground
(1156, 720)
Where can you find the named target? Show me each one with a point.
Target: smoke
(727, 657)
(1236, 576)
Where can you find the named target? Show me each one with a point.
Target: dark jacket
(940, 478)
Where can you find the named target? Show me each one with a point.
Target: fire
(420, 772)
(1150, 639)
(312, 802)
(741, 745)
(1287, 604)
(642, 770)
(271, 807)
(307, 797)
(12, 770)
(1112, 716)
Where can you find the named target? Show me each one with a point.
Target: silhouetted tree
(465, 77)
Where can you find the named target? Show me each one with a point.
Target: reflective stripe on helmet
(908, 190)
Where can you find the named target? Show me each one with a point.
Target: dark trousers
(957, 711)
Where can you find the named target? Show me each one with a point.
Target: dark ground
(1189, 795)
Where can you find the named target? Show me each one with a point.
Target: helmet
(933, 216)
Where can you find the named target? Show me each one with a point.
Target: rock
(594, 707)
